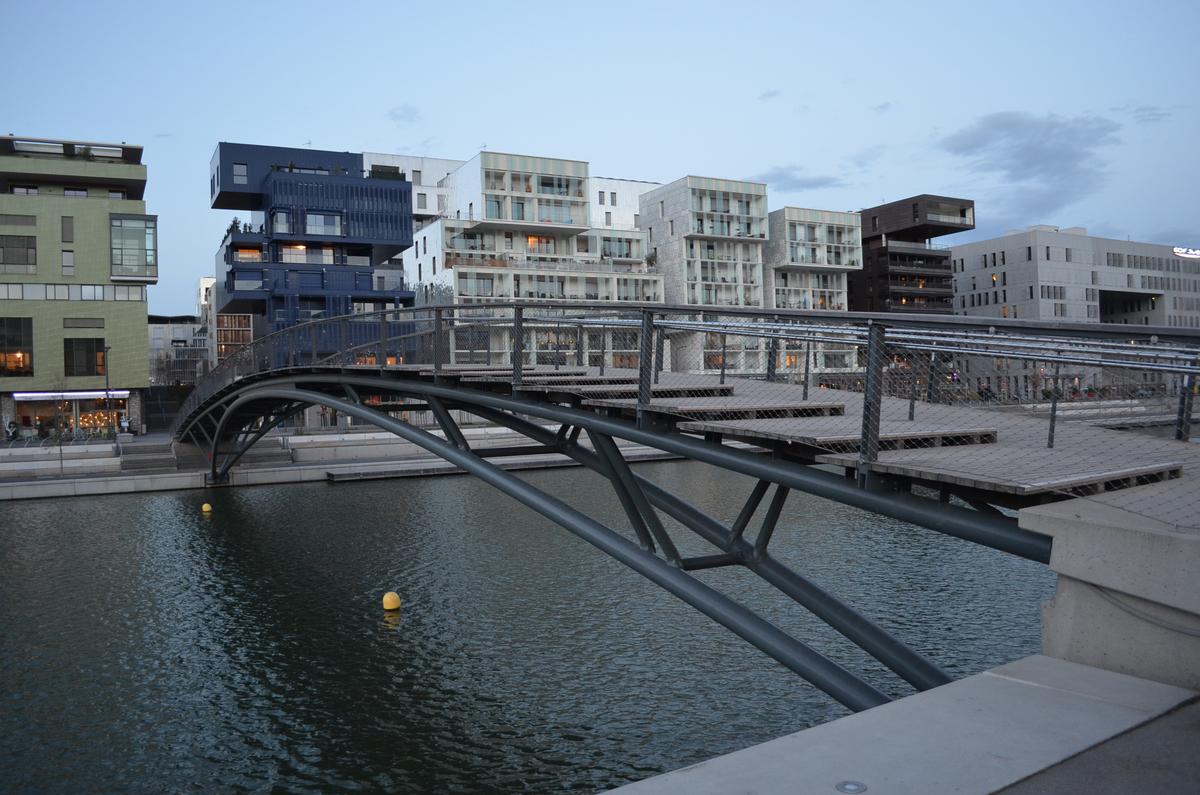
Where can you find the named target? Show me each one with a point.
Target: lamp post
(107, 396)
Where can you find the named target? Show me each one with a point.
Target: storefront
(92, 412)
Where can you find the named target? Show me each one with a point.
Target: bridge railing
(1034, 411)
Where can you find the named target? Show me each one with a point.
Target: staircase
(155, 456)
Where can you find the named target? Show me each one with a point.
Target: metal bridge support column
(724, 353)
(872, 403)
(1183, 420)
(518, 346)
(437, 340)
(807, 362)
(645, 361)
(1053, 403)
(382, 355)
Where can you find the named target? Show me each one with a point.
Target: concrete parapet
(976, 735)
(1127, 598)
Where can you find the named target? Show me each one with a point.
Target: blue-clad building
(316, 238)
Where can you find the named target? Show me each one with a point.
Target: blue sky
(1067, 113)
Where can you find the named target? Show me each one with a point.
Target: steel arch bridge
(565, 399)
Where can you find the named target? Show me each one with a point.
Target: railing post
(645, 361)
(724, 354)
(929, 378)
(345, 333)
(557, 344)
(518, 345)
(603, 347)
(382, 355)
(293, 333)
(659, 345)
(912, 387)
(312, 332)
(772, 355)
(579, 345)
(807, 364)
(1054, 403)
(1183, 420)
(437, 339)
(868, 448)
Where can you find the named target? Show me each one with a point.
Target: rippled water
(145, 647)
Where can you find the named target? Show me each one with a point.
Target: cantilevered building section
(809, 254)
(318, 228)
(518, 227)
(706, 237)
(903, 270)
(77, 252)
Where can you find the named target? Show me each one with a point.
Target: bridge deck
(817, 432)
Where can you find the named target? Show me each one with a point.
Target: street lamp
(107, 396)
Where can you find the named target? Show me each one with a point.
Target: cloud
(1044, 163)
(164, 135)
(404, 114)
(793, 178)
(865, 157)
(1144, 114)
(882, 107)
(769, 94)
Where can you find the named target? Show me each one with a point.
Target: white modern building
(1053, 274)
(706, 236)
(809, 253)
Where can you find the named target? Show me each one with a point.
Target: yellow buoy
(391, 601)
(206, 508)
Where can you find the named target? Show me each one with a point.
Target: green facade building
(77, 251)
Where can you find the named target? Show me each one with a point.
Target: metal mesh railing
(1010, 414)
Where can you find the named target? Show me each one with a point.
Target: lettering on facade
(1190, 253)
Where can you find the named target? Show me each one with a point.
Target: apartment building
(318, 228)
(809, 254)
(1064, 274)
(77, 252)
(706, 236)
(178, 349)
(903, 270)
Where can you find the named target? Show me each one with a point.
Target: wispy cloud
(1044, 163)
(404, 114)
(1144, 114)
(164, 135)
(770, 93)
(793, 178)
(882, 107)
(865, 157)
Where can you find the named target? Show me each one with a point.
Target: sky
(1063, 113)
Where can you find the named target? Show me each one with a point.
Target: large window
(18, 254)
(75, 193)
(134, 246)
(322, 224)
(16, 347)
(239, 173)
(280, 222)
(83, 356)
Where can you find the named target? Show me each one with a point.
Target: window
(134, 246)
(25, 190)
(435, 264)
(916, 212)
(116, 193)
(993, 263)
(425, 245)
(422, 201)
(68, 263)
(75, 193)
(1004, 274)
(508, 241)
(18, 220)
(995, 280)
(494, 207)
(91, 292)
(608, 219)
(1029, 253)
(12, 292)
(1031, 291)
(1068, 253)
(416, 177)
(281, 222)
(83, 322)
(83, 356)
(240, 173)
(18, 254)
(322, 224)
(612, 198)
(57, 292)
(68, 229)
(1002, 259)
(637, 220)
(660, 209)
(602, 197)
(518, 209)
(1047, 252)
(874, 223)
(16, 347)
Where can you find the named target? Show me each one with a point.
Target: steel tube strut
(821, 672)
(996, 532)
(898, 657)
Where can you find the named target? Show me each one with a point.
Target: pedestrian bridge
(951, 423)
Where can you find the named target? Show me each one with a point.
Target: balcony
(544, 262)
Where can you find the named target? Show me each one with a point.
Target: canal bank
(51, 472)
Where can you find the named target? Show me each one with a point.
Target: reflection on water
(147, 647)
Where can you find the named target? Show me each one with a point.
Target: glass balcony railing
(951, 219)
